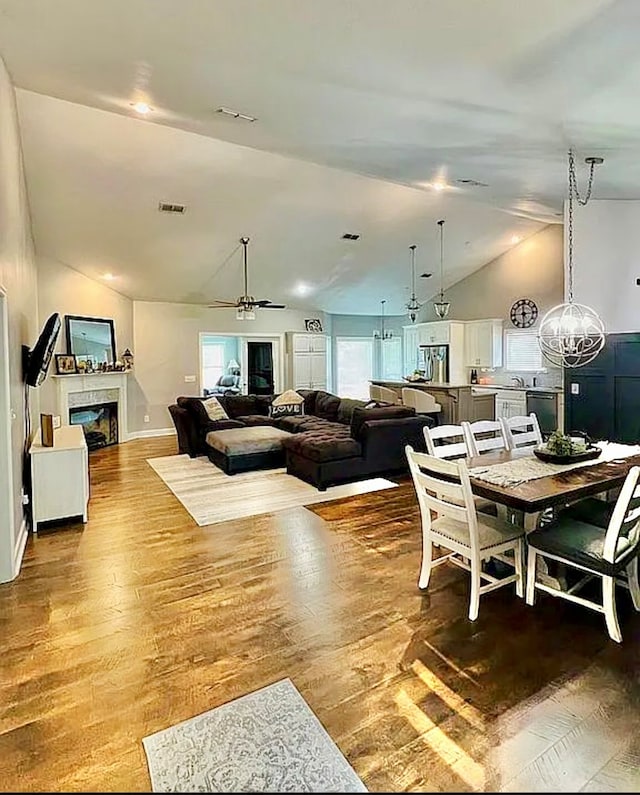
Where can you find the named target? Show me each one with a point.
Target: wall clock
(524, 313)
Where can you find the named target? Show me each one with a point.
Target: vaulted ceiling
(361, 106)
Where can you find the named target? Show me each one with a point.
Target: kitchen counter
(458, 401)
(514, 388)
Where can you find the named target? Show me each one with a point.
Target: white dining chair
(521, 431)
(484, 436)
(423, 402)
(443, 489)
(608, 553)
(445, 441)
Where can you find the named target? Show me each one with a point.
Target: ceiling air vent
(349, 236)
(235, 114)
(166, 207)
(472, 183)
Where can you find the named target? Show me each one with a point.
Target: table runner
(521, 470)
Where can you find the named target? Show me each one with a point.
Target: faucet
(519, 380)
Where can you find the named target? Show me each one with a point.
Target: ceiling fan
(246, 304)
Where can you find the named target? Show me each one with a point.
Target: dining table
(525, 502)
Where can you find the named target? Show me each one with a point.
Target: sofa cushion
(246, 441)
(263, 404)
(221, 425)
(240, 405)
(252, 420)
(215, 410)
(195, 408)
(346, 407)
(309, 396)
(324, 445)
(361, 415)
(326, 406)
(301, 424)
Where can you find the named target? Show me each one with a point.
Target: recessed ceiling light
(515, 239)
(108, 277)
(302, 289)
(141, 107)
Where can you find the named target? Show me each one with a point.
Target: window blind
(522, 351)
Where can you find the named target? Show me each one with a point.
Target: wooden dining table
(534, 496)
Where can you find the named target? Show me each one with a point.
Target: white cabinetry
(483, 343)
(511, 403)
(438, 333)
(307, 358)
(60, 476)
(410, 343)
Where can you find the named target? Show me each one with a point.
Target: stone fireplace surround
(90, 389)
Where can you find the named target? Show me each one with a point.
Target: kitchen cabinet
(510, 403)
(483, 343)
(307, 359)
(438, 333)
(410, 344)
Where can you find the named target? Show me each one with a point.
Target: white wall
(18, 278)
(606, 260)
(166, 348)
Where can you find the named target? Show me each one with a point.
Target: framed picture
(313, 324)
(66, 364)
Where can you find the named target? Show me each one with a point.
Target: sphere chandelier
(572, 334)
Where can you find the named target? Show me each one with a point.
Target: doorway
(260, 374)
(7, 538)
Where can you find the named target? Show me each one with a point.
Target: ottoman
(241, 449)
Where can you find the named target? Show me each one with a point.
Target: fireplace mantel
(82, 385)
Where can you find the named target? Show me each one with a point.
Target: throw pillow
(214, 409)
(288, 404)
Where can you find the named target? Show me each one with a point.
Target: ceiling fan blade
(272, 306)
(223, 305)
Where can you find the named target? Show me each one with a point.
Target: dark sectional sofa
(335, 441)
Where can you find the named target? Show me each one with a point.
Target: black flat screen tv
(39, 356)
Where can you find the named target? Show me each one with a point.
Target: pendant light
(571, 334)
(441, 306)
(382, 334)
(413, 306)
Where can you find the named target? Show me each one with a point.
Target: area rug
(212, 496)
(267, 741)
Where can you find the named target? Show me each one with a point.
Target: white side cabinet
(60, 476)
(483, 343)
(307, 356)
(410, 344)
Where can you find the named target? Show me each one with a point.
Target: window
(522, 351)
(354, 366)
(213, 363)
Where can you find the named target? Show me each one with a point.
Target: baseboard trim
(18, 551)
(150, 434)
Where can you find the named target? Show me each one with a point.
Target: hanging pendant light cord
(573, 191)
(441, 225)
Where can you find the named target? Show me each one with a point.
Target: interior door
(260, 368)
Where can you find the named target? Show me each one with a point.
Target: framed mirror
(91, 339)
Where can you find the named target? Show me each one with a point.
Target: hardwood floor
(142, 619)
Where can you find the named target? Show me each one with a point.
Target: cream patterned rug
(211, 496)
(267, 741)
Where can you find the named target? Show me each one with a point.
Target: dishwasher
(545, 406)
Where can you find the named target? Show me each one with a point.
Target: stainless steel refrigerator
(434, 361)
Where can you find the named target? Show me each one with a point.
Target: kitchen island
(458, 401)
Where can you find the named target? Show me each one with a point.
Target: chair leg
(609, 602)
(425, 568)
(634, 587)
(474, 602)
(518, 554)
(531, 576)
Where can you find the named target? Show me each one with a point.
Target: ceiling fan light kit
(571, 334)
(246, 304)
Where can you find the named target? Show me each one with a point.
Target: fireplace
(99, 422)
